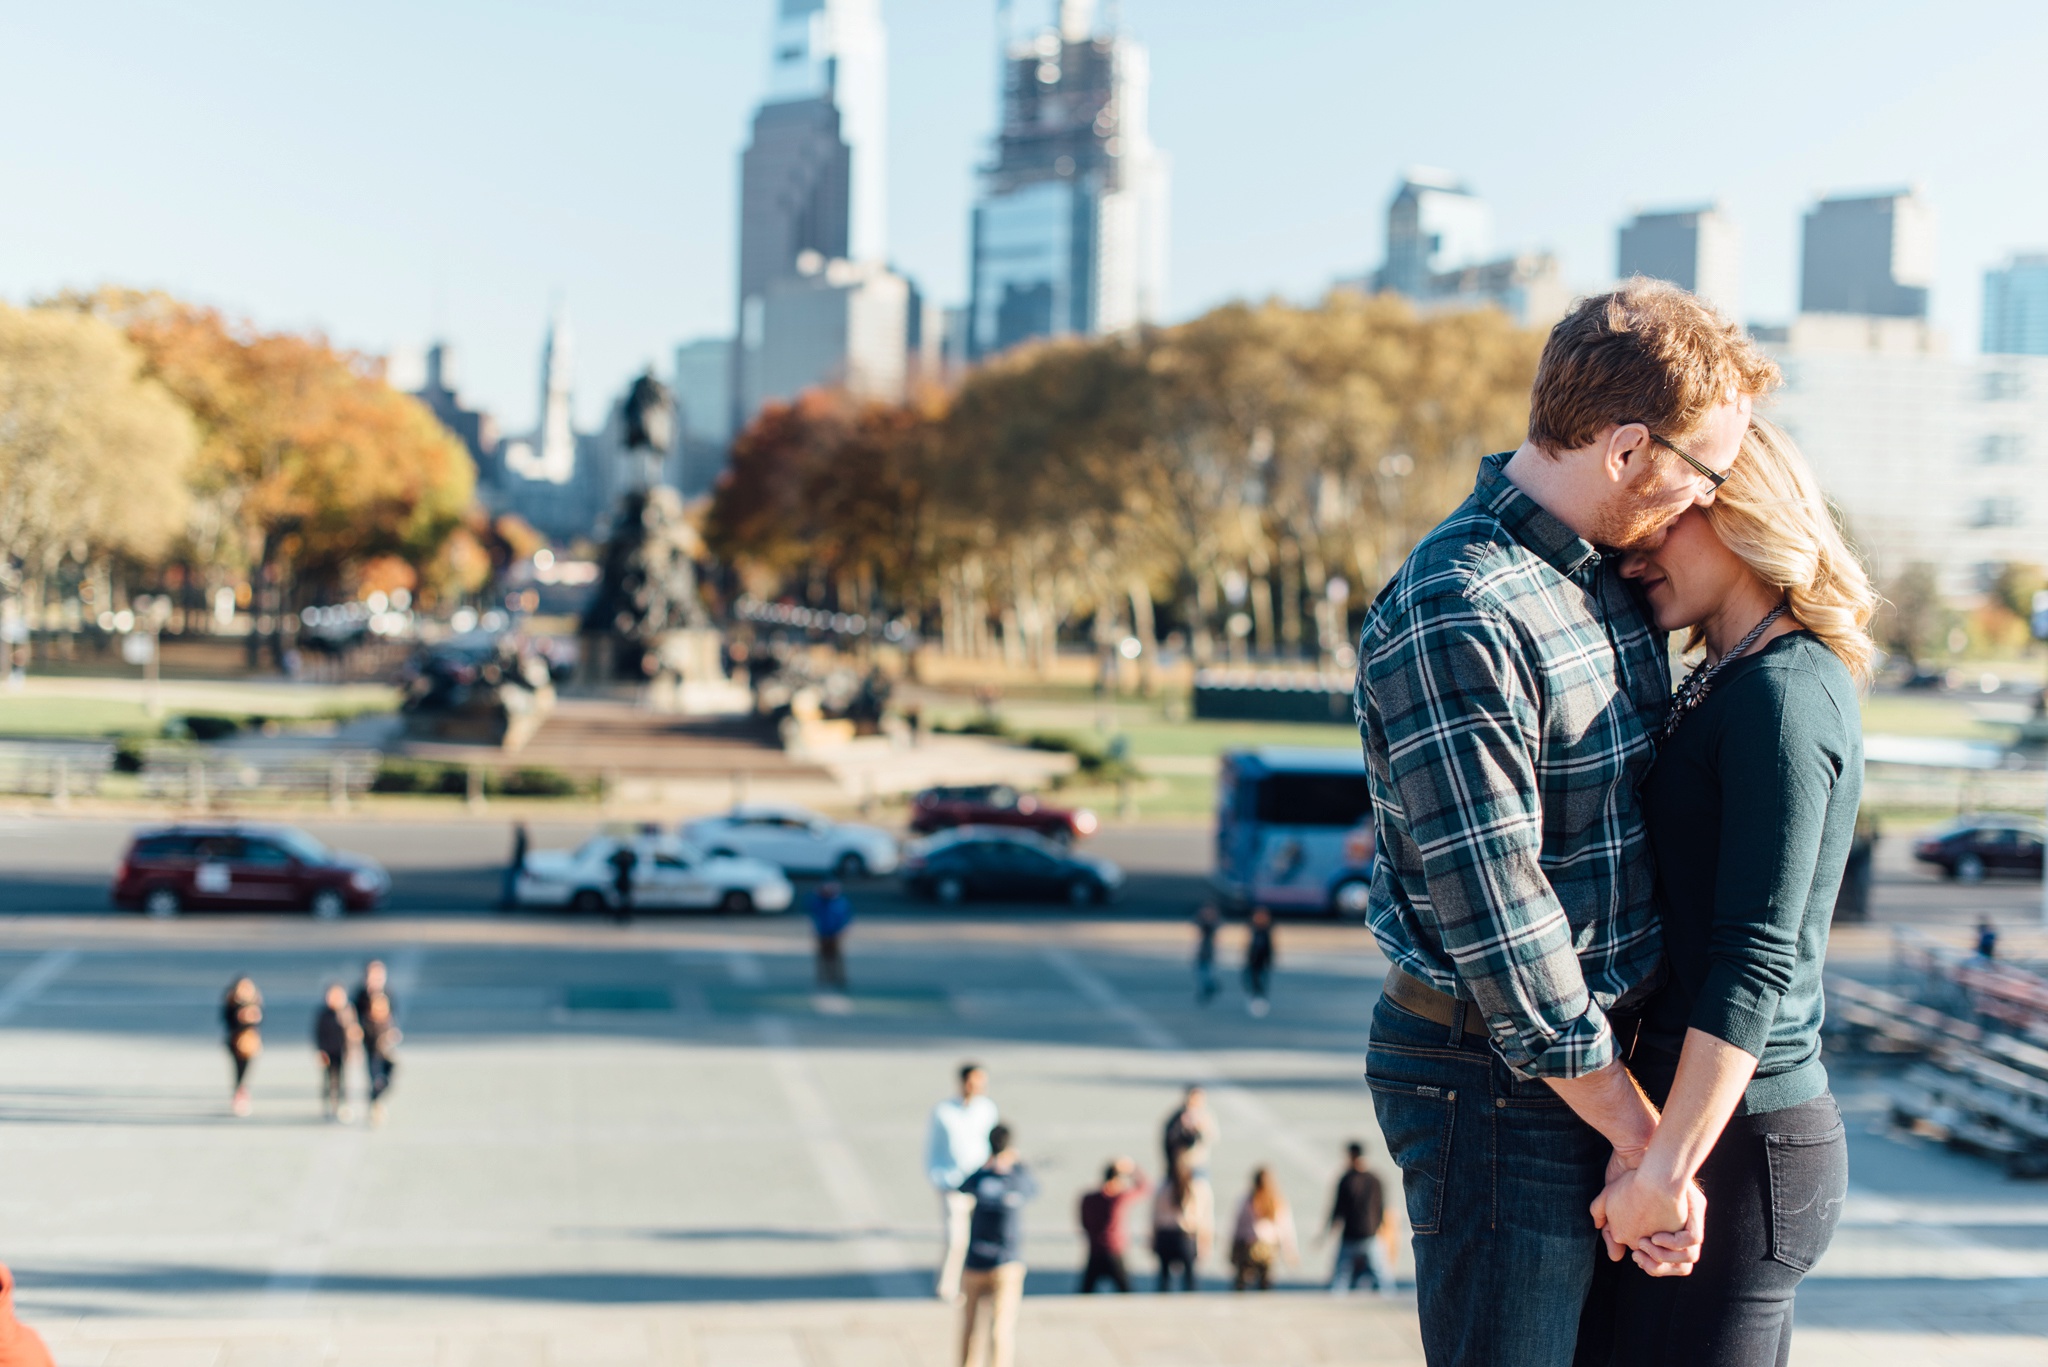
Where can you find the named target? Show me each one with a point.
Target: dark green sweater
(1751, 807)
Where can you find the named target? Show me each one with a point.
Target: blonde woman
(1264, 1234)
(1751, 807)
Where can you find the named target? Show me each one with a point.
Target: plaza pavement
(651, 1145)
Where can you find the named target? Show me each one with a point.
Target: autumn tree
(309, 465)
(93, 455)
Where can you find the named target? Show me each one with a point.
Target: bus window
(1315, 800)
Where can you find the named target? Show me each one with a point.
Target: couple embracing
(1597, 1054)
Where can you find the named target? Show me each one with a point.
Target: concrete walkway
(1055, 1331)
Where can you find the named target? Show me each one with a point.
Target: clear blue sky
(389, 169)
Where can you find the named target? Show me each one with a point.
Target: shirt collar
(1528, 521)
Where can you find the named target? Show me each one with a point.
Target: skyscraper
(2016, 307)
(1695, 249)
(549, 455)
(1435, 225)
(813, 181)
(1069, 234)
(1868, 254)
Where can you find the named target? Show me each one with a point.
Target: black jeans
(1775, 1184)
(1176, 1251)
(1104, 1266)
(380, 1068)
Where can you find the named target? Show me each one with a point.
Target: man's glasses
(1714, 480)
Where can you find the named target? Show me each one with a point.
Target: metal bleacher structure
(1977, 1032)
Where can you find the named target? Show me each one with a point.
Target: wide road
(54, 863)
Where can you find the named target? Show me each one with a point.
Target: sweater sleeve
(1780, 753)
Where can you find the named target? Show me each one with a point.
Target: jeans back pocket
(1809, 1181)
(1416, 1120)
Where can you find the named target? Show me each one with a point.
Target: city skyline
(413, 189)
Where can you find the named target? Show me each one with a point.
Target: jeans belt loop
(1457, 1039)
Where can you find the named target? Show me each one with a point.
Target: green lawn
(48, 707)
(31, 715)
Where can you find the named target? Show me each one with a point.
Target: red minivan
(236, 867)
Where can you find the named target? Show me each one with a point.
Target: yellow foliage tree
(93, 455)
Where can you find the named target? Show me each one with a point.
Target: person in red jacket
(1102, 1221)
(20, 1346)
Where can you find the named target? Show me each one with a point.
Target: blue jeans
(1498, 1174)
(1358, 1259)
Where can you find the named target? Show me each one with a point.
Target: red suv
(996, 804)
(233, 867)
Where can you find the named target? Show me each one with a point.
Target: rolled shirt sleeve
(1462, 726)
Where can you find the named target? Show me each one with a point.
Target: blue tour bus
(1294, 830)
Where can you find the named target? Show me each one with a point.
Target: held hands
(1662, 1224)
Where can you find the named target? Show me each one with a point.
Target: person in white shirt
(955, 1149)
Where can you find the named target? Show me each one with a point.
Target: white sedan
(668, 874)
(797, 841)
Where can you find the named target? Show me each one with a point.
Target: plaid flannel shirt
(1506, 678)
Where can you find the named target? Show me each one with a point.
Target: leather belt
(1410, 993)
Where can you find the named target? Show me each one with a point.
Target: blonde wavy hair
(1770, 512)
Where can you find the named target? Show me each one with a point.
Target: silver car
(796, 841)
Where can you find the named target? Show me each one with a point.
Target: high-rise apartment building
(1868, 254)
(1069, 234)
(1696, 249)
(1440, 255)
(1435, 225)
(2016, 307)
(1930, 459)
(813, 180)
(703, 390)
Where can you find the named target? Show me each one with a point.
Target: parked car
(1972, 846)
(796, 841)
(668, 875)
(235, 867)
(997, 804)
(997, 863)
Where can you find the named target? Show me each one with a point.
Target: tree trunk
(1145, 628)
(1262, 606)
(1200, 640)
(1290, 601)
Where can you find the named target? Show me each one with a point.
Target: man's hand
(1664, 1228)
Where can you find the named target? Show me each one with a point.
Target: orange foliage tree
(309, 465)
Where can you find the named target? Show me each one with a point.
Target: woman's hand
(1662, 1223)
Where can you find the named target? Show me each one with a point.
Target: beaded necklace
(1693, 691)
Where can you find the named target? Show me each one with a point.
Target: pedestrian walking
(381, 1038)
(623, 861)
(336, 1033)
(1258, 963)
(376, 983)
(831, 914)
(1264, 1235)
(1191, 1131)
(1987, 938)
(1183, 1225)
(1363, 1225)
(508, 894)
(993, 1280)
(956, 1144)
(1103, 1213)
(1206, 922)
(241, 1017)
